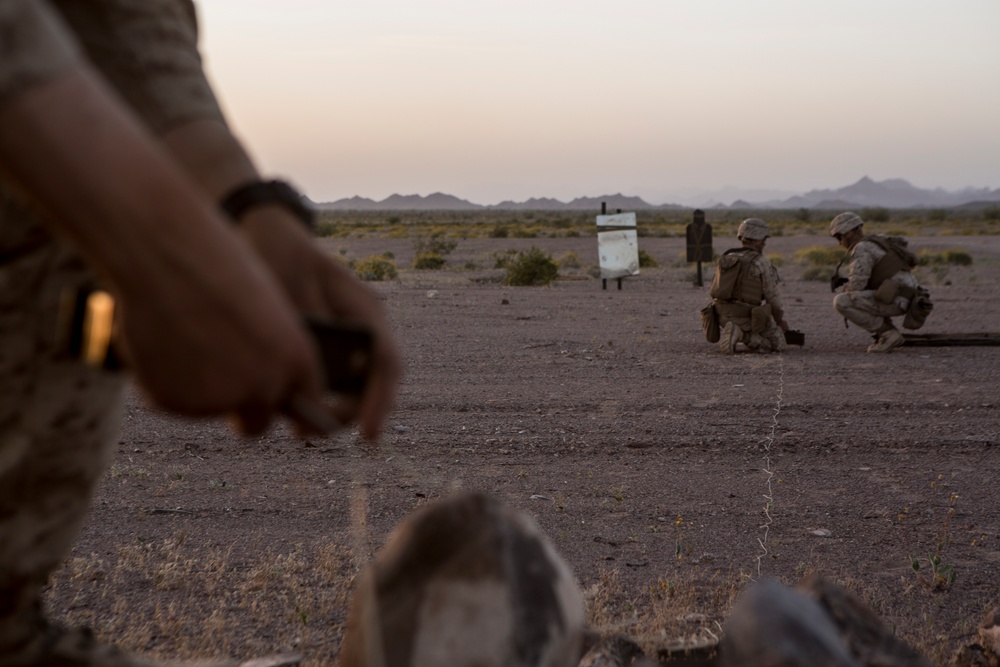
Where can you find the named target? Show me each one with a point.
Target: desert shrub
(388, 254)
(646, 261)
(568, 260)
(531, 267)
(326, 228)
(991, 213)
(503, 258)
(376, 268)
(820, 254)
(434, 245)
(428, 260)
(875, 214)
(954, 256)
(393, 220)
(814, 272)
(499, 232)
(803, 215)
(525, 232)
(776, 258)
(937, 215)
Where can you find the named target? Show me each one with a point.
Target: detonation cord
(768, 442)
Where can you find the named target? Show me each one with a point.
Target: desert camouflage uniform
(759, 286)
(857, 302)
(59, 420)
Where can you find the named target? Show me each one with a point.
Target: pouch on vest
(760, 318)
(726, 277)
(710, 323)
(887, 291)
(920, 308)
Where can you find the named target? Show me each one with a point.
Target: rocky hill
(890, 193)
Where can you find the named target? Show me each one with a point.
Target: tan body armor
(897, 258)
(733, 280)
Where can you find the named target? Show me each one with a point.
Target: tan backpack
(727, 285)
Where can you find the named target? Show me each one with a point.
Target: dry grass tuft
(206, 605)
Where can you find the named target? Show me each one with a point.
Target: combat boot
(887, 341)
(763, 344)
(731, 335)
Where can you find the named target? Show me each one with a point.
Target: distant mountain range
(891, 193)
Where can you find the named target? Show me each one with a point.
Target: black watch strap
(246, 196)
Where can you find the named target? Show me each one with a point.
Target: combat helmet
(753, 228)
(844, 223)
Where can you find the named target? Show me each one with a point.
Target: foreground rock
(465, 582)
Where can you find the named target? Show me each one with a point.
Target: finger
(380, 393)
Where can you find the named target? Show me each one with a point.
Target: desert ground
(669, 477)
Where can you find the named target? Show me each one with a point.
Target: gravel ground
(643, 453)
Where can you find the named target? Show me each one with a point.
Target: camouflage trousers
(864, 310)
(58, 426)
(766, 336)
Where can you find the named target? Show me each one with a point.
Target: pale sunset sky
(663, 99)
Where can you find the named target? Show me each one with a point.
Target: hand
(220, 338)
(318, 285)
(204, 325)
(783, 325)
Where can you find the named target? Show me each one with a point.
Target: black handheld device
(346, 352)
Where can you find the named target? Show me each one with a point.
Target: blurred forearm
(211, 155)
(102, 180)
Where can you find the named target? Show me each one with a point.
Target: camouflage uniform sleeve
(34, 46)
(864, 255)
(148, 51)
(769, 281)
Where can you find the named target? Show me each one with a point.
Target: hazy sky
(491, 100)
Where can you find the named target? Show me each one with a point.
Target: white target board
(618, 245)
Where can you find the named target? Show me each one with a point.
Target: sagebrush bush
(531, 267)
(646, 260)
(325, 228)
(375, 268)
(428, 260)
(955, 256)
(815, 272)
(820, 254)
(875, 214)
(569, 260)
(502, 258)
(434, 245)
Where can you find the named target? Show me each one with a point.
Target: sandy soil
(642, 452)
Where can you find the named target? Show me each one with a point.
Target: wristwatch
(246, 196)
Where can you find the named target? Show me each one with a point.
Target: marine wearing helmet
(745, 294)
(880, 283)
